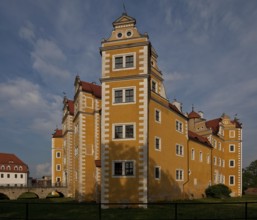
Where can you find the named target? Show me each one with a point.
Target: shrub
(218, 191)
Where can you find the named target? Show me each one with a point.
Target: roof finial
(193, 108)
(124, 8)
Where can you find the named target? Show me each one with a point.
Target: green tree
(250, 175)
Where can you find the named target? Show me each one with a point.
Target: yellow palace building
(124, 141)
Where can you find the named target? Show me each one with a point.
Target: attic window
(129, 33)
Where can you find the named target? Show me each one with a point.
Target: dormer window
(126, 61)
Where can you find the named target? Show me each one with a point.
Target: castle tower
(124, 130)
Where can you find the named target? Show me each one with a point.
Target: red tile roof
(57, 133)
(214, 125)
(198, 138)
(70, 106)
(237, 123)
(175, 109)
(92, 88)
(13, 162)
(193, 114)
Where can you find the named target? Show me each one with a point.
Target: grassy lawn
(63, 208)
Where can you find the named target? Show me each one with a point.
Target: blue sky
(207, 53)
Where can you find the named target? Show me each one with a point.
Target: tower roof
(57, 133)
(193, 114)
(124, 20)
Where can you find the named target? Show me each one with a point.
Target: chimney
(178, 105)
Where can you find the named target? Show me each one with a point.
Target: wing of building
(13, 171)
(124, 141)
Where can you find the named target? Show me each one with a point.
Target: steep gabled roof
(198, 138)
(57, 133)
(175, 109)
(13, 162)
(214, 125)
(70, 105)
(92, 88)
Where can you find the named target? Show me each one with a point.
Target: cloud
(43, 169)
(27, 105)
(47, 58)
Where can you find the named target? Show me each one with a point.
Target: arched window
(2, 167)
(8, 167)
(15, 167)
(20, 168)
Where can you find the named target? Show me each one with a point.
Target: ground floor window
(231, 180)
(157, 172)
(179, 175)
(123, 168)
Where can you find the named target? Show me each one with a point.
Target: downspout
(187, 168)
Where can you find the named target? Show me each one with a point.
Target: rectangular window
(124, 62)
(15, 176)
(118, 96)
(231, 148)
(157, 115)
(2, 175)
(58, 167)
(157, 173)
(208, 159)
(124, 131)
(192, 154)
(157, 143)
(129, 131)
(118, 132)
(129, 61)
(21, 176)
(179, 150)
(58, 154)
(123, 168)
(8, 175)
(179, 126)
(219, 146)
(214, 160)
(231, 180)
(231, 163)
(179, 175)
(154, 87)
(118, 62)
(123, 95)
(129, 95)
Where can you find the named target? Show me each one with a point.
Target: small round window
(129, 33)
(119, 35)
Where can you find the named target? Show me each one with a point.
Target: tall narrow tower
(125, 100)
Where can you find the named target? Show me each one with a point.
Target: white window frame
(160, 143)
(123, 131)
(179, 126)
(208, 159)
(58, 152)
(180, 176)
(234, 150)
(58, 165)
(234, 180)
(179, 150)
(159, 171)
(219, 144)
(124, 61)
(123, 89)
(234, 163)
(123, 162)
(192, 154)
(160, 115)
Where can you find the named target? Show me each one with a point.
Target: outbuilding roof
(11, 163)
